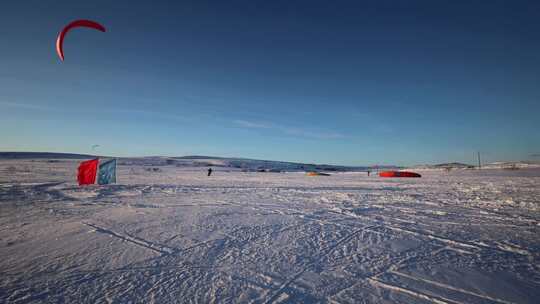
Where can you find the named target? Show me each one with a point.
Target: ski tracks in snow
(283, 238)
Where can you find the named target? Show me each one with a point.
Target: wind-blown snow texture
(171, 234)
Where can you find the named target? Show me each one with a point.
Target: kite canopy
(86, 174)
(317, 174)
(399, 174)
(67, 28)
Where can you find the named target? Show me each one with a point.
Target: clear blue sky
(353, 82)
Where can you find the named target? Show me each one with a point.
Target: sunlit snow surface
(174, 235)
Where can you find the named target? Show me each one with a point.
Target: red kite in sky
(67, 28)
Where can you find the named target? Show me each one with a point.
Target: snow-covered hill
(512, 165)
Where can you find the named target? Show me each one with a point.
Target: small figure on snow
(209, 171)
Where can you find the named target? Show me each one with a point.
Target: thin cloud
(311, 134)
(251, 125)
(34, 107)
(27, 106)
(300, 132)
(163, 115)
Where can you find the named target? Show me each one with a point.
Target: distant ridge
(49, 155)
(247, 164)
(494, 165)
(236, 163)
(454, 165)
(447, 166)
(201, 157)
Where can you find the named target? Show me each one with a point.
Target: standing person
(368, 172)
(209, 171)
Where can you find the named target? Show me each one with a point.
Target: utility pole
(479, 163)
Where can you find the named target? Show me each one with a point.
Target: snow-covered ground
(174, 235)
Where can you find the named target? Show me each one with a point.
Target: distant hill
(41, 155)
(512, 165)
(495, 165)
(199, 157)
(454, 165)
(242, 164)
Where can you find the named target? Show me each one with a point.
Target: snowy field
(173, 235)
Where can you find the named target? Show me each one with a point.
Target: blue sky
(342, 82)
